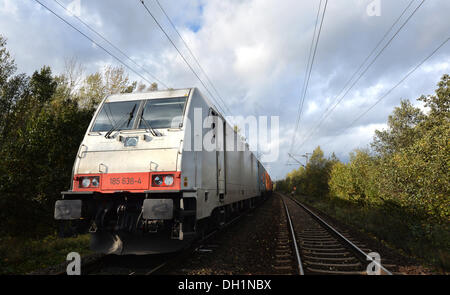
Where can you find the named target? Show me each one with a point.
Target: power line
(193, 55)
(300, 103)
(111, 44)
(370, 54)
(179, 52)
(90, 39)
(396, 85)
(304, 80)
(393, 88)
(360, 76)
(306, 83)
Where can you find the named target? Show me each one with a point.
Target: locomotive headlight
(168, 180)
(158, 180)
(131, 141)
(85, 182)
(95, 182)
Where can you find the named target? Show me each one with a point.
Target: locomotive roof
(149, 95)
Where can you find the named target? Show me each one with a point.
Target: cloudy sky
(255, 52)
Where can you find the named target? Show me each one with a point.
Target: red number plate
(125, 181)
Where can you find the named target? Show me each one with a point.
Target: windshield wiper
(121, 121)
(152, 131)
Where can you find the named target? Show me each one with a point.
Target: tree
(312, 179)
(439, 103)
(116, 80)
(43, 85)
(38, 152)
(11, 87)
(7, 64)
(153, 87)
(401, 129)
(417, 175)
(141, 87)
(317, 174)
(16, 89)
(97, 86)
(43, 119)
(92, 91)
(355, 180)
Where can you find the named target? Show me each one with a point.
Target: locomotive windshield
(119, 115)
(157, 113)
(163, 113)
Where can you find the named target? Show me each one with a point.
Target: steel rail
(199, 243)
(294, 240)
(341, 237)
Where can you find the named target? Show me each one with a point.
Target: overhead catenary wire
(368, 56)
(304, 80)
(193, 55)
(393, 88)
(400, 82)
(361, 74)
(111, 44)
(309, 69)
(179, 52)
(93, 41)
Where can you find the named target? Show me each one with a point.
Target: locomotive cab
(127, 175)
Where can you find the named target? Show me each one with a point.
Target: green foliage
(43, 119)
(392, 225)
(411, 167)
(402, 187)
(356, 180)
(401, 132)
(43, 85)
(313, 178)
(21, 256)
(97, 86)
(7, 65)
(416, 175)
(36, 156)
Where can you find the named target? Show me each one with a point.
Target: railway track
(306, 245)
(318, 248)
(150, 264)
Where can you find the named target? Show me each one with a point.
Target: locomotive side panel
(198, 167)
(240, 164)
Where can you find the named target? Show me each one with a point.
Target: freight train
(157, 170)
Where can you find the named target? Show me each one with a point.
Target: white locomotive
(157, 169)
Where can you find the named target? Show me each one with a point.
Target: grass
(21, 256)
(415, 236)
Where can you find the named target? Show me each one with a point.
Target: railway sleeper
(325, 235)
(323, 249)
(336, 272)
(282, 247)
(281, 261)
(326, 238)
(331, 258)
(320, 245)
(316, 231)
(328, 254)
(317, 242)
(310, 244)
(282, 255)
(283, 267)
(344, 265)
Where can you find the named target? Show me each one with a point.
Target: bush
(400, 191)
